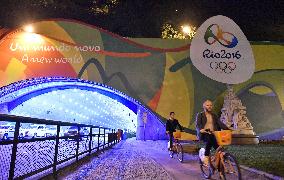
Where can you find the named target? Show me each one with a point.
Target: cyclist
(171, 126)
(207, 122)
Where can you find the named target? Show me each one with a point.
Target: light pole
(186, 29)
(144, 118)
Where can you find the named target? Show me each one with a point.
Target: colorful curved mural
(156, 72)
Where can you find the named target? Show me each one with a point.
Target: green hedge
(268, 157)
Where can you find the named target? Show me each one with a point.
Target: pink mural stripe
(178, 49)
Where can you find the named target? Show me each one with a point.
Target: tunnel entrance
(80, 101)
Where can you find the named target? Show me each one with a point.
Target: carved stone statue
(234, 114)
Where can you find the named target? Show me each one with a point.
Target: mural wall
(157, 72)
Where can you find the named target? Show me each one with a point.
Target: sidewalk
(132, 159)
(123, 161)
(189, 169)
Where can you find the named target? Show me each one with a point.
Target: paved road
(133, 159)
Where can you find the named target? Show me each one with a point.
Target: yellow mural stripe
(175, 95)
(15, 71)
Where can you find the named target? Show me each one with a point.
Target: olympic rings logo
(220, 36)
(220, 67)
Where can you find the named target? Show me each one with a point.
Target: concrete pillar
(149, 127)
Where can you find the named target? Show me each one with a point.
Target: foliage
(268, 157)
(103, 8)
(91, 6)
(170, 32)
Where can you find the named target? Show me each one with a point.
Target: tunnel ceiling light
(94, 108)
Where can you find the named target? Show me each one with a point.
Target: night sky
(259, 19)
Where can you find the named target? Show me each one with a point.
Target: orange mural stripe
(153, 103)
(116, 54)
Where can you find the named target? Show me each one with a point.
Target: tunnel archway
(80, 101)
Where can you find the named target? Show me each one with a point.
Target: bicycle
(177, 147)
(224, 162)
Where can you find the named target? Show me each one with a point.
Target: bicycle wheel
(179, 152)
(231, 169)
(206, 170)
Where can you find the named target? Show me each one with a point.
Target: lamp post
(29, 29)
(186, 29)
(144, 118)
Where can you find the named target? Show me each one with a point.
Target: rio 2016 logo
(221, 51)
(226, 39)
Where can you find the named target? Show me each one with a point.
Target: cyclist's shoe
(206, 161)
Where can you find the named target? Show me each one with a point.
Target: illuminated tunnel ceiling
(73, 101)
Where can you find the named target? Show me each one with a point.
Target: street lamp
(29, 36)
(29, 29)
(186, 29)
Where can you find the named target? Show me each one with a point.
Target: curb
(265, 174)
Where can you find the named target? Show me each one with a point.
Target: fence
(29, 152)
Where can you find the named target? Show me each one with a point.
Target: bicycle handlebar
(208, 131)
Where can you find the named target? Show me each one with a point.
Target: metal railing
(22, 157)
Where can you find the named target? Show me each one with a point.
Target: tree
(103, 8)
(170, 32)
(14, 13)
